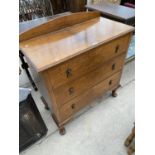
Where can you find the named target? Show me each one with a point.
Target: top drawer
(88, 61)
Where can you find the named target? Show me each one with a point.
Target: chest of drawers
(77, 58)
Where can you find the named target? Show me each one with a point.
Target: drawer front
(87, 62)
(70, 108)
(72, 89)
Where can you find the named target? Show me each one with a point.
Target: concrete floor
(99, 129)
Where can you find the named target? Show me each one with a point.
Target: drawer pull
(117, 48)
(73, 106)
(110, 82)
(71, 90)
(69, 72)
(113, 66)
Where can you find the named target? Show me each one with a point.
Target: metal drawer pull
(71, 90)
(113, 66)
(69, 72)
(110, 82)
(73, 106)
(117, 48)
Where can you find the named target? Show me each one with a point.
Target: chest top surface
(50, 49)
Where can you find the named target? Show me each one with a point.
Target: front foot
(62, 130)
(114, 94)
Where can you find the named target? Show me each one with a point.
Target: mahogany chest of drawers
(77, 58)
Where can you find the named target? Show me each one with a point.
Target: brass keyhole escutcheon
(113, 66)
(73, 106)
(110, 82)
(71, 90)
(69, 72)
(117, 48)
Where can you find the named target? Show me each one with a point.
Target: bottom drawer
(79, 102)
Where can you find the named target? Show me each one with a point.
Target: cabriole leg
(62, 129)
(114, 94)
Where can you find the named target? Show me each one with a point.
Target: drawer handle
(71, 90)
(73, 106)
(113, 66)
(110, 82)
(117, 48)
(69, 72)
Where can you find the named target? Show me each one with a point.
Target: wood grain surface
(72, 89)
(78, 57)
(86, 62)
(57, 24)
(69, 109)
(53, 48)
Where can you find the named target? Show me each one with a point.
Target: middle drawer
(86, 62)
(72, 89)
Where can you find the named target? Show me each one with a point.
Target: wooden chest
(77, 58)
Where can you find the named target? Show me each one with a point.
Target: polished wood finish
(69, 90)
(57, 24)
(25, 26)
(69, 109)
(79, 62)
(70, 42)
(80, 65)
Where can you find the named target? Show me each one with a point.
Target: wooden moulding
(58, 24)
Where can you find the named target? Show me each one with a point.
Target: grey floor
(99, 129)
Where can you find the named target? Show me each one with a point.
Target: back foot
(114, 94)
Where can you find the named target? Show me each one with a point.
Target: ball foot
(114, 94)
(62, 130)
